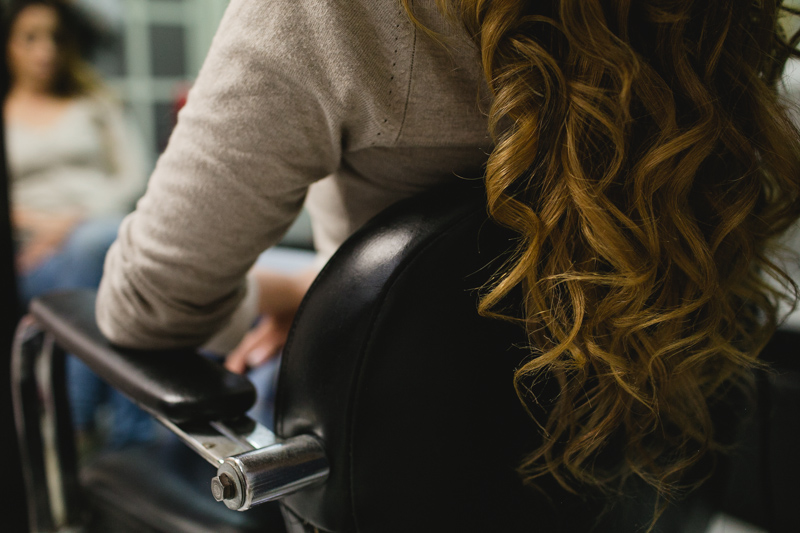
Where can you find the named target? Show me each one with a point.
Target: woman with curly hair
(646, 161)
(639, 149)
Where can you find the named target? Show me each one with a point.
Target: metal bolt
(222, 487)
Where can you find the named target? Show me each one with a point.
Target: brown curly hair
(645, 160)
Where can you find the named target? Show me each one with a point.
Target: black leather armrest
(180, 385)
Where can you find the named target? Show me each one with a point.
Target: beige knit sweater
(344, 101)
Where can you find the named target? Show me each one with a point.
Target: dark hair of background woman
(77, 37)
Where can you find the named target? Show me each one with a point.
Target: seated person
(76, 168)
(639, 149)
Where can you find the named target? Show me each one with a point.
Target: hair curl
(646, 162)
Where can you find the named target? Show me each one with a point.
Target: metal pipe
(269, 473)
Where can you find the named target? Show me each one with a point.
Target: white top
(348, 96)
(87, 161)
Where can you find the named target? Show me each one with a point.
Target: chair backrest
(411, 390)
(761, 474)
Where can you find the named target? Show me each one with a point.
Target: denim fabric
(265, 380)
(87, 392)
(79, 264)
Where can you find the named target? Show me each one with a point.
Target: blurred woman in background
(75, 167)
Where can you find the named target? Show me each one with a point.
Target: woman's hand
(47, 232)
(260, 344)
(279, 298)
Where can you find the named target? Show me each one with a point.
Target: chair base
(164, 488)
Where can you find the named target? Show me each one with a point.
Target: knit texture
(344, 102)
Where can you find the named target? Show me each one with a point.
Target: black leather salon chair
(395, 411)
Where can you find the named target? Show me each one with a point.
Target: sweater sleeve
(260, 125)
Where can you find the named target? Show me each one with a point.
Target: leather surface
(763, 468)
(180, 385)
(411, 391)
(321, 360)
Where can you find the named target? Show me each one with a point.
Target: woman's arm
(280, 297)
(260, 125)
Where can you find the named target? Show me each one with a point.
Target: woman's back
(648, 165)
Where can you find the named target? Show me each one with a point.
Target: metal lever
(253, 465)
(269, 473)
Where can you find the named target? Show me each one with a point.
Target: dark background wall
(13, 517)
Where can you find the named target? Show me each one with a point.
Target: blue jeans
(79, 264)
(265, 380)
(265, 377)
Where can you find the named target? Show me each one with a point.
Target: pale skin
(279, 298)
(34, 60)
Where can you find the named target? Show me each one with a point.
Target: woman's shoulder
(39, 116)
(100, 101)
(297, 29)
(100, 108)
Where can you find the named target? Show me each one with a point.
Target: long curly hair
(645, 160)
